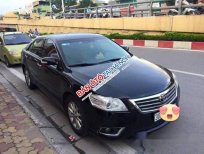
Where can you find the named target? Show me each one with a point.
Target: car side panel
(4, 53)
(55, 81)
(1, 52)
(32, 64)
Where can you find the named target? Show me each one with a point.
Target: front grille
(154, 102)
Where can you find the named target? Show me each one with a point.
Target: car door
(33, 56)
(52, 75)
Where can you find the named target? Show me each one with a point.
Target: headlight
(107, 103)
(13, 53)
(175, 79)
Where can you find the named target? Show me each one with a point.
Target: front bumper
(125, 124)
(14, 59)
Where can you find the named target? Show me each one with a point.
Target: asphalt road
(184, 136)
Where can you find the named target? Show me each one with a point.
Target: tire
(76, 115)
(8, 64)
(28, 79)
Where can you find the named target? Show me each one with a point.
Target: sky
(10, 5)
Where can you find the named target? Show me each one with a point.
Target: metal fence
(146, 8)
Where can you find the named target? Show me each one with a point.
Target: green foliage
(125, 1)
(43, 33)
(86, 3)
(16, 13)
(169, 36)
(58, 4)
(70, 2)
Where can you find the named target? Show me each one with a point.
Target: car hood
(17, 48)
(140, 78)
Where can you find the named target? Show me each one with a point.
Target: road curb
(162, 44)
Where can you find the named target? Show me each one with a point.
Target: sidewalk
(18, 133)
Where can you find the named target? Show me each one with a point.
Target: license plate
(157, 116)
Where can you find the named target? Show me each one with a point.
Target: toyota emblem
(162, 98)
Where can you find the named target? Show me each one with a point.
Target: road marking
(188, 73)
(201, 51)
(16, 73)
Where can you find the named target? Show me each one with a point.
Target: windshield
(91, 51)
(13, 39)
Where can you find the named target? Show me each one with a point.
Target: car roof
(61, 37)
(9, 33)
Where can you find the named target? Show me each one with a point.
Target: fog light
(107, 130)
(111, 131)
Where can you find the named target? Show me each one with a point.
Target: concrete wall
(194, 24)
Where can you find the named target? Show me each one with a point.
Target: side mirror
(125, 47)
(54, 55)
(50, 61)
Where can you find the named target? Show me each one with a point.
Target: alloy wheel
(74, 115)
(7, 62)
(27, 77)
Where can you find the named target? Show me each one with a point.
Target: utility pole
(51, 9)
(50, 6)
(62, 6)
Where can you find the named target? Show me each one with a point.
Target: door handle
(39, 65)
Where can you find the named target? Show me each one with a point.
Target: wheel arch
(64, 97)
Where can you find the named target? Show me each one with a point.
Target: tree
(18, 14)
(126, 1)
(86, 3)
(70, 2)
(58, 3)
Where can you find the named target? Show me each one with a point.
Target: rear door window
(50, 49)
(38, 47)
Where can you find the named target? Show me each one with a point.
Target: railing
(146, 8)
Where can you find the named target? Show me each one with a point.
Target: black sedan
(126, 98)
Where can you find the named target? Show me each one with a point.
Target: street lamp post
(51, 8)
(63, 6)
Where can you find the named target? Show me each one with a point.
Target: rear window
(13, 39)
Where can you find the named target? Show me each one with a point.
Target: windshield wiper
(10, 44)
(83, 64)
(89, 64)
(17, 43)
(110, 60)
(22, 43)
